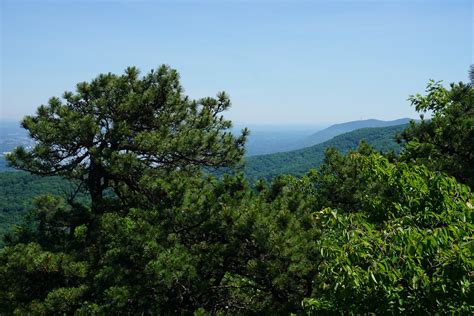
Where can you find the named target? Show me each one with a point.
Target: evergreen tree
(133, 144)
(116, 129)
(362, 234)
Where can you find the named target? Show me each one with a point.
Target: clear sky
(282, 62)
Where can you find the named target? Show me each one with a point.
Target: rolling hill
(299, 161)
(338, 129)
(263, 139)
(18, 189)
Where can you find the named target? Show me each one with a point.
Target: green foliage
(361, 234)
(398, 240)
(18, 191)
(27, 273)
(445, 142)
(116, 129)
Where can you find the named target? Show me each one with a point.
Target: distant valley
(11, 136)
(268, 139)
(263, 139)
(14, 206)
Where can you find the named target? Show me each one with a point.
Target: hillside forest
(136, 199)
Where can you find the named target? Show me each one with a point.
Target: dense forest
(384, 229)
(21, 188)
(19, 191)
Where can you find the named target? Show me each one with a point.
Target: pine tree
(117, 129)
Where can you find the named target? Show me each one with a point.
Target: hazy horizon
(260, 126)
(282, 63)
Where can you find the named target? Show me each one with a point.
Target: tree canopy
(364, 233)
(445, 141)
(118, 128)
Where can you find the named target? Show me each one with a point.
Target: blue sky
(282, 62)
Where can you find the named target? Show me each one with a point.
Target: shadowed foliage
(364, 233)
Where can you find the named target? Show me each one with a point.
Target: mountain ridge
(340, 128)
(298, 162)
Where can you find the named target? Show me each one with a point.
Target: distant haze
(267, 139)
(282, 62)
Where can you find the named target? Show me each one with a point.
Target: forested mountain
(300, 161)
(19, 188)
(337, 129)
(263, 139)
(364, 233)
(275, 139)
